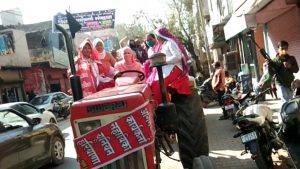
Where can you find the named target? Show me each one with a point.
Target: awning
(244, 17)
(238, 23)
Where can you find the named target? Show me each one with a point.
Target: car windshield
(40, 100)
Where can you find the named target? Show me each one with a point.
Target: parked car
(31, 111)
(27, 143)
(46, 101)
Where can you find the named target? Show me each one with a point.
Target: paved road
(224, 149)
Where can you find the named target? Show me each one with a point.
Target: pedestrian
(175, 72)
(218, 85)
(266, 81)
(283, 68)
(114, 53)
(31, 95)
(141, 51)
(229, 82)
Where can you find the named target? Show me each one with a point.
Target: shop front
(11, 86)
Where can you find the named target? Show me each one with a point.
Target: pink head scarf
(132, 56)
(130, 64)
(165, 33)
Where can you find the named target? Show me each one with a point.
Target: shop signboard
(90, 21)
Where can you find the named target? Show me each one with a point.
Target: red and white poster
(117, 139)
(34, 80)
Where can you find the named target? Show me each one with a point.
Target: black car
(27, 143)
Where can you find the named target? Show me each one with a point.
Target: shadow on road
(69, 163)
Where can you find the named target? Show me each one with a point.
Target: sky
(34, 11)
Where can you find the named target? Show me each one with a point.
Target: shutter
(287, 27)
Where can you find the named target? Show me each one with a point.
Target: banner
(90, 21)
(117, 139)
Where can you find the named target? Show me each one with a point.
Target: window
(7, 46)
(61, 96)
(26, 109)
(10, 120)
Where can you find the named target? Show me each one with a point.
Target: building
(14, 58)
(11, 17)
(49, 59)
(236, 30)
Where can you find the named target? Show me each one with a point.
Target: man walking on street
(284, 66)
(218, 85)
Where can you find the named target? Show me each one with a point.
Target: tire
(204, 103)
(260, 160)
(231, 113)
(52, 120)
(298, 130)
(203, 162)
(57, 151)
(192, 131)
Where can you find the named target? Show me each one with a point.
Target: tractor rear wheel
(192, 131)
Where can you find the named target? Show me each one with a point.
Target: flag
(73, 24)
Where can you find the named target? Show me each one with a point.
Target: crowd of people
(97, 67)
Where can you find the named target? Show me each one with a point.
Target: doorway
(55, 87)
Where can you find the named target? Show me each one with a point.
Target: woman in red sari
(107, 71)
(87, 68)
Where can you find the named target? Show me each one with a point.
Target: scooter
(61, 110)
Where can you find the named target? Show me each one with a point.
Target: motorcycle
(258, 134)
(61, 110)
(289, 127)
(246, 101)
(207, 95)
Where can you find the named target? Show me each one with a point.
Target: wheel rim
(58, 150)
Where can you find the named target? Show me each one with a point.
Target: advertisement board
(90, 21)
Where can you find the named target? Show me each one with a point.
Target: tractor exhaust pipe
(166, 111)
(74, 79)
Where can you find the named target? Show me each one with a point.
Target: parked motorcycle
(207, 95)
(289, 128)
(246, 101)
(258, 134)
(61, 110)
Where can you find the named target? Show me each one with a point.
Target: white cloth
(173, 57)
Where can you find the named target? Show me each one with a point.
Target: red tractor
(122, 128)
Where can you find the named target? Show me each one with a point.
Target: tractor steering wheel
(140, 75)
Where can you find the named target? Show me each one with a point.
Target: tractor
(122, 127)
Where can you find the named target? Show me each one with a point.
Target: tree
(182, 23)
(134, 29)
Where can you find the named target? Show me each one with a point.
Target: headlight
(87, 126)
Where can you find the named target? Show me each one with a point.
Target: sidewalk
(224, 149)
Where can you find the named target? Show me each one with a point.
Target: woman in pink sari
(175, 72)
(128, 62)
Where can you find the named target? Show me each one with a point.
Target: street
(225, 150)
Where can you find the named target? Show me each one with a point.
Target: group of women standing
(96, 67)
